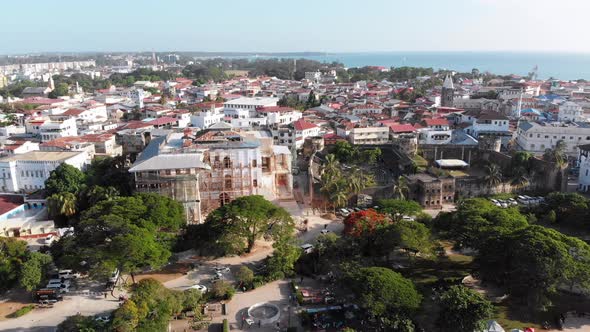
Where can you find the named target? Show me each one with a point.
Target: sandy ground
(89, 299)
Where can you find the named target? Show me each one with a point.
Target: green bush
(222, 290)
(225, 325)
(22, 311)
(258, 281)
(299, 296)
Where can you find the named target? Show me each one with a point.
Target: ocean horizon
(564, 66)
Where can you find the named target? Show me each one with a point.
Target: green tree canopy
(65, 178)
(397, 208)
(130, 233)
(13, 253)
(463, 310)
(533, 262)
(34, 270)
(382, 291)
(61, 89)
(246, 219)
(478, 219)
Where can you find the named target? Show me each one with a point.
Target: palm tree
(331, 168)
(356, 181)
(339, 197)
(62, 204)
(521, 178)
(493, 176)
(556, 154)
(401, 188)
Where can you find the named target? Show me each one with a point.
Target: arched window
(223, 199)
(228, 182)
(226, 162)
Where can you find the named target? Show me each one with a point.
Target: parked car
(68, 274)
(344, 212)
(63, 288)
(59, 281)
(48, 240)
(221, 269)
(324, 231)
(307, 248)
(200, 288)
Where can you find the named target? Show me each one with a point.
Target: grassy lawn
(430, 274)
(508, 319)
(420, 162)
(22, 311)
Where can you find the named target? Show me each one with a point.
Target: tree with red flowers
(364, 222)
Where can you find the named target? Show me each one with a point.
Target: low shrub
(225, 325)
(22, 311)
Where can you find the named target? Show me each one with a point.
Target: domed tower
(448, 92)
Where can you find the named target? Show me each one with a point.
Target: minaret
(51, 83)
(448, 92)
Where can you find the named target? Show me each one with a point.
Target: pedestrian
(259, 323)
(325, 226)
(301, 279)
(105, 295)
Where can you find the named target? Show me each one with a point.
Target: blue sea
(565, 66)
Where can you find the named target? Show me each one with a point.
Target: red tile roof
(274, 109)
(302, 125)
(402, 128)
(73, 112)
(162, 121)
(10, 202)
(41, 101)
(436, 122)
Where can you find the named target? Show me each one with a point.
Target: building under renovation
(212, 167)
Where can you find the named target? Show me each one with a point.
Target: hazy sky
(294, 25)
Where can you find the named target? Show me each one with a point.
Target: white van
(307, 248)
(114, 276)
(48, 240)
(67, 274)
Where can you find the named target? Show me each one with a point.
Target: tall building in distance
(448, 92)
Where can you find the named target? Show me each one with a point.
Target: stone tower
(448, 92)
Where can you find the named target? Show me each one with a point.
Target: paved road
(48, 319)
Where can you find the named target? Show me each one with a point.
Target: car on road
(344, 212)
(48, 240)
(103, 319)
(221, 269)
(200, 288)
(68, 274)
(59, 281)
(307, 248)
(217, 276)
(324, 231)
(63, 288)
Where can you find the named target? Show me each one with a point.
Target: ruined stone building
(208, 169)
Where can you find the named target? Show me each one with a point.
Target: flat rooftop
(253, 101)
(41, 156)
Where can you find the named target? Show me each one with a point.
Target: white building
(584, 164)
(369, 135)
(304, 129)
(279, 115)
(570, 111)
(435, 131)
(537, 137)
(50, 130)
(487, 123)
(367, 109)
(205, 119)
(27, 172)
(249, 104)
